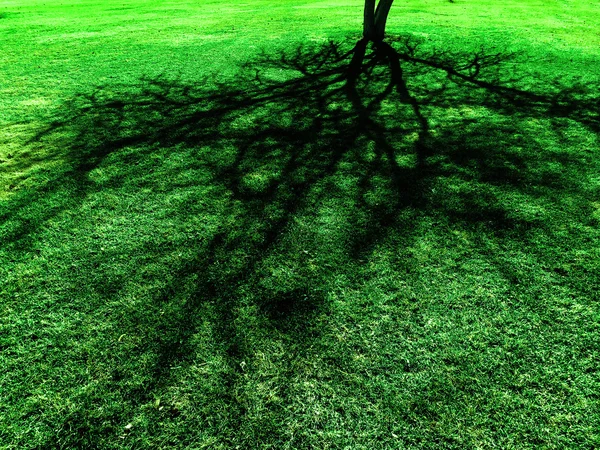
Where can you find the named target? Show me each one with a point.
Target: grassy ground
(207, 242)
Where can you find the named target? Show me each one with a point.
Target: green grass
(207, 242)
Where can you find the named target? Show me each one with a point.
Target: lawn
(207, 240)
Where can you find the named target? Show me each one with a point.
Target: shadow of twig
(367, 134)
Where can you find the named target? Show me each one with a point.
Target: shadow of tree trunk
(337, 131)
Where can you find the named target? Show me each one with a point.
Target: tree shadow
(345, 140)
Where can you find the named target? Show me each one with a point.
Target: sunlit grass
(208, 242)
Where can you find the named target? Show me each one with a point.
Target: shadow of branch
(300, 133)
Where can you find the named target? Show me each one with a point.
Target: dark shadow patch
(271, 151)
(292, 311)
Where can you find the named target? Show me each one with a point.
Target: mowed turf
(208, 241)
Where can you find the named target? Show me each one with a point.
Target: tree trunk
(375, 19)
(373, 30)
(381, 15)
(369, 23)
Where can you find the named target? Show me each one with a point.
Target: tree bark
(373, 30)
(369, 23)
(375, 19)
(381, 15)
